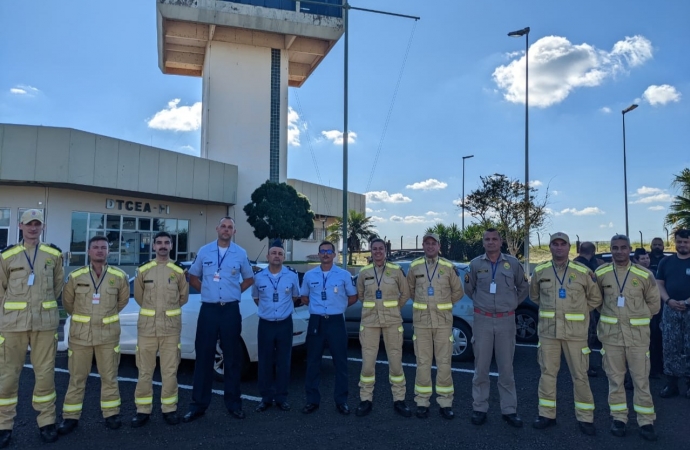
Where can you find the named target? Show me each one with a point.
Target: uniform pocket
(50, 317)
(576, 326)
(547, 323)
(17, 283)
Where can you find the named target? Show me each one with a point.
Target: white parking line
(536, 346)
(452, 369)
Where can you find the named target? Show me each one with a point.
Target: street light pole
(519, 33)
(625, 168)
(463, 189)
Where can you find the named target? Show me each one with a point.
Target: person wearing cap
(434, 288)
(160, 289)
(383, 290)
(566, 292)
(328, 290)
(275, 290)
(631, 298)
(94, 295)
(497, 284)
(31, 280)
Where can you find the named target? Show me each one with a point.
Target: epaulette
(393, 265)
(50, 249)
(445, 262)
(543, 266)
(601, 270)
(368, 266)
(416, 262)
(117, 272)
(173, 265)
(11, 250)
(579, 267)
(146, 266)
(641, 271)
(79, 272)
(290, 269)
(180, 265)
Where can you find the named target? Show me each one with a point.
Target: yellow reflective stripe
(143, 400)
(169, 400)
(445, 262)
(445, 306)
(50, 304)
(584, 406)
(644, 274)
(547, 403)
(579, 268)
(82, 319)
(416, 262)
(643, 409)
(368, 304)
(417, 305)
(50, 250)
(638, 322)
(586, 351)
(575, 317)
(69, 352)
(117, 272)
(174, 267)
(538, 344)
(444, 389)
(608, 319)
(173, 312)
(619, 407)
(44, 398)
(602, 352)
(56, 336)
(541, 267)
(367, 380)
(146, 266)
(13, 251)
(147, 312)
(604, 269)
(423, 389)
(361, 328)
(8, 401)
(111, 319)
(451, 338)
(547, 314)
(72, 408)
(179, 345)
(647, 354)
(110, 404)
(414, 337)
(117, 349)
(400, 329)
(2, 339)
(390, 303)
(15, 306)
(398, 379)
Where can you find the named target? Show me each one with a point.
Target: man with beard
(657, 254)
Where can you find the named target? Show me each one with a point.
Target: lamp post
(519, 33)
(463, 189)
(625, 168)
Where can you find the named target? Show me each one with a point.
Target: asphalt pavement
(326, 428)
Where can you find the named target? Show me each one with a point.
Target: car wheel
(526, 325)
(219, 364)
(462, 341)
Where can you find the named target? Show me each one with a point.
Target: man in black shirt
(657, 254)
(673, 277)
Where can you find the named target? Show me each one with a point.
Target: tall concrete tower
(247, 52)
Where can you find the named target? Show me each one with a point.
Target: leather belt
(496, 315)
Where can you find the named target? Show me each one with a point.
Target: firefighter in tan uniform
(382, 289)
(160, 289)
(631, 298)
(94, 296)
(566, 292)
(434, 288)
(31, 279)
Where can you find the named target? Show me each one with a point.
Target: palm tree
(359, 230)
(679, 211)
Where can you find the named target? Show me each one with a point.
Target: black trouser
(326, 331)
(656, 347)
(275, 350)
(224, 322)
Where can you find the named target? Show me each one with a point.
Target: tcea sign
(129, 205)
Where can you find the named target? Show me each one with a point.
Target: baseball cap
(276, 243)
(32, 214)
(431, 235)
(560, 235)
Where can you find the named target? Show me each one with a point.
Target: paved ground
(327, 429)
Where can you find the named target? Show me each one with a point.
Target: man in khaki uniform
(566, 292)
(94, 296)
(631, 298)
(434, 287)
(31, 279)
(497, 285)
(382, 289)
(160, 289)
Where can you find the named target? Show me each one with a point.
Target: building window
(4, 227)
(274, 138)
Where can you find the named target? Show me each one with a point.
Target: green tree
(678, 216)
(359, 230)
(277, 210)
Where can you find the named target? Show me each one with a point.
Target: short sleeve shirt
(675, 273)
(275, 293)
(231, 268)
(335, 286)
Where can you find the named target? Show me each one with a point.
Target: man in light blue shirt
(221, 272)
(275, 290)
(328, 290)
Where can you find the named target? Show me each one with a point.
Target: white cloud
(188, 149)
(410, 219)
(177, 118)
(657, 208)
(435, 214)
(24, 89)
(555, 192)
(385, 197)
(664, 197)
(337, 136)
(588, 211)
(557, 67)
(646, 190)
(368, 210)
(660, 95)
(457, 202)
(377, 219)
(606, 225)
(430, 184)
(396, 219)
(605, 110)
(293, 127)
(535, 183)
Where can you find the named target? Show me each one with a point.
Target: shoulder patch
(79, 272)
(117, 272)
(467, 278)
(175, 267)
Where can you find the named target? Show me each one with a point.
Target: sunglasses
(326, 252)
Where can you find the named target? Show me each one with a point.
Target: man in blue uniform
(328, 290)
(221, 272)
(275, 290)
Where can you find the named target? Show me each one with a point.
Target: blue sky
(93, 66)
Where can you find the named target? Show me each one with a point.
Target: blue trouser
(215, 322)
(275, 350)
(326, 331)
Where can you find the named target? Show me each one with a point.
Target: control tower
(247, 53)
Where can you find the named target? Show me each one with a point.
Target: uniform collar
(501, 256)
(231, 247)
(560, 267)
(431, 261)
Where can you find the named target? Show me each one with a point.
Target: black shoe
(191, 416)
(48, 433)
(401, 408)
(670, 390)
(592, 373)
(140, 420)
(543, 422)
(478, 417)
(618, 428)
(310, 408)
(422, 412)
(283, 406)
(587, 428)
(113, 422)
(263, 406)
(343, 409)
(647, 432)
(67, 426)
(447, 413)
(513, 420)
(237, 413)
(5, 436)
(363, 409)
(171, 418)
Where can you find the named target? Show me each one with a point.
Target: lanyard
(624, 281)
(325, 278)
(560, 281)
(31, 263)
(427, 271)
(220, 260)
(94, 281)
(275, 286)
(493, 270)
(376, 276)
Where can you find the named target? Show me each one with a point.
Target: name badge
(216, 277)
(234, 272)
(492, 288)
(31, 279)
(323, 295)
(335, 290)
(275, 297)
(621, 301)
(430, 291)
(561, 293)
(96, 299)
(379, 294)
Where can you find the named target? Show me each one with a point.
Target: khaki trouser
(369, 337)
(430, 343)
(614, 359)
(494, 335)
(169, 349)
(577, 357)
(13, 347)
(80, 359)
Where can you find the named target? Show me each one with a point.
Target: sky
(422, 95)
